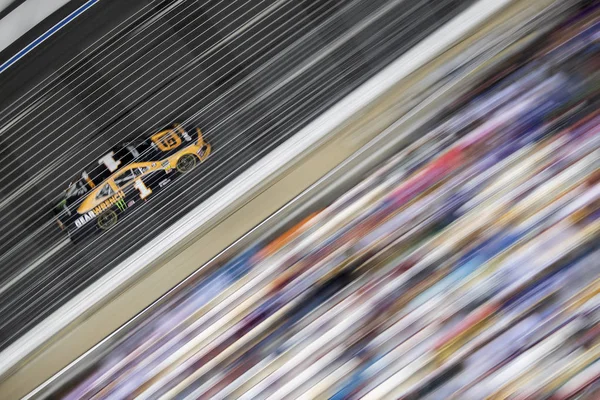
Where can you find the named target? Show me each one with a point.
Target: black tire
(186, 163)
(107, 219)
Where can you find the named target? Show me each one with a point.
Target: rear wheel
(107, 219)
(186, 163)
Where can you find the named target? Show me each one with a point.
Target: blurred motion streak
(466, 267)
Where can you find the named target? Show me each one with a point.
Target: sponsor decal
(131, 202)
(166, 165)
(202, 151)
(114, 200)
(186, 136)
(85, 218)
(164, 182)
(121, 204)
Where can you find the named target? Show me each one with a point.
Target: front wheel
(186, 163)
(107, 219)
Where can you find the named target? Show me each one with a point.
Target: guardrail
(346, 128)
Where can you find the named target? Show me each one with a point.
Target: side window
(125, 178)
(104, 192)
(140, 171)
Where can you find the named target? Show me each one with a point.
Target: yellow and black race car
(125, 177)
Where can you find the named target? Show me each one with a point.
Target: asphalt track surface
(249, 73)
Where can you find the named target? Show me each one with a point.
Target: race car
(125, 177)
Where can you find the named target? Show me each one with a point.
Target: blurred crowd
(466, 267)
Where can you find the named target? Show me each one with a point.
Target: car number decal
(145, 191)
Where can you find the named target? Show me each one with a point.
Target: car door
(130, 183)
